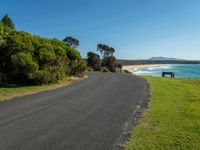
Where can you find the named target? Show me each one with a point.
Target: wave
(181, 70)
(141, 72)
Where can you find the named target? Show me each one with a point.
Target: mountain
(163, 58)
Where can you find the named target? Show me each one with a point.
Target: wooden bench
(172, 74)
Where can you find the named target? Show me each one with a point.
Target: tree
(112, 50)
(105, 50)
(110, 63)
(108, 60)
(94, 61)
(8, 22)
(100, 49)
(71, 42)
(118, 67)
(1, 34)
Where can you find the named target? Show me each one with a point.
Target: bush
(1, 34)
(94, 61)
(24, 67)
(3, 79)
(42, 77)
(77, 67)
(110, 63)
(73, 54)
(32, 59)
(46, 56)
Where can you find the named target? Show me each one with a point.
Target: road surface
(88, 115)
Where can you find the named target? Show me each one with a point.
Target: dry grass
(7, 93)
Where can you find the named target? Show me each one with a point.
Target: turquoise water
(181, 70)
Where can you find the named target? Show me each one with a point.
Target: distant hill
(148, 61)
(163, 58)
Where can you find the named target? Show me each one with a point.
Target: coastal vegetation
(147, 61)
(172, 120)
(107, 63)
(94, 61)
(35, 60)
(71, 42)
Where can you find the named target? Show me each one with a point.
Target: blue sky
(137, 29)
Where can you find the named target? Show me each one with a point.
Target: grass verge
(172, 121)
(7, 93)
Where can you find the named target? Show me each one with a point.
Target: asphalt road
(88, 115)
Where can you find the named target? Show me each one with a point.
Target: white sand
(137, 67)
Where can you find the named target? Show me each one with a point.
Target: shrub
(46, 56)
(94, 61)
(24, 66)
(77, 67)
(3, 79)
(110, 63)
(73, 54)
(27, 58)
(42, 77)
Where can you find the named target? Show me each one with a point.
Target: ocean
(181, 70)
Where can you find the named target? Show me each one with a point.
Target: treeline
(25, 58)
(140, 62)
(107, 63)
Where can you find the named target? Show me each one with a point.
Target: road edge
(72, 81)
(134, 117)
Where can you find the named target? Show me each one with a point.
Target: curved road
(88, 115)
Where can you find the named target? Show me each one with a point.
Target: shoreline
(138, 67)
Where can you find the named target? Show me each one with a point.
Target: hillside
(163, 58)
(139, 62)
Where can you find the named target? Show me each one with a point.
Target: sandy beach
(136, 67)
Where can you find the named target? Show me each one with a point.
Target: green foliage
(24, 66)
(94, 61)
(105, 50)
(19, 41)
(71, 42)
(32, 59)
(24, 62)
(3, 79)
(108, 60)
(73, 54)
(4, 33)
(8, 22)
(47, 55)
(1, 34)
(43, 77)
(110, 63)
(77, 67)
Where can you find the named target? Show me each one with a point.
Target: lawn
(172, 120)
(20, 90)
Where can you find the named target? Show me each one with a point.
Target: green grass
(7, 93)
(172, 121)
